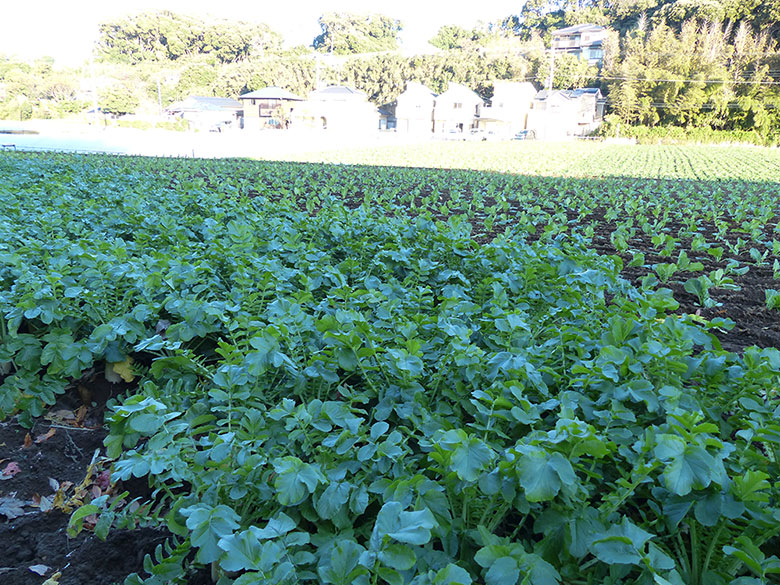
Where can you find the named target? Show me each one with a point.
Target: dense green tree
(37, 90)
(161, 36)
(196, 79)
(572, 72)
(297, 74)
(118, 99)
(382, 77)
(472, 68)
(697, 76)
(344, 33)
(623, 15)
(451, 36)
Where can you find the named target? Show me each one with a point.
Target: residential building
(269, 108)
(565, 114)
(338, 108)
(387, 119)
(207, 113)
(414, 109)
(456, 110)
(508, 111)
(583, 40)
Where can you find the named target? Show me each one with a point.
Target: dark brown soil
(37, 538)
(746, 305)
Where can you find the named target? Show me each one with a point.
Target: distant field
(572, 159)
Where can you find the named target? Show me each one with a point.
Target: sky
(67, 29)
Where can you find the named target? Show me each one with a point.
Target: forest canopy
(344, 33)
(160, 36)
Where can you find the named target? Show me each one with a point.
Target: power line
(690, 80)
(645, 80)
(668, 105)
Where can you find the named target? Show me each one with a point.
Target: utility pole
(94, 87)
(552, 68)
(159, 98)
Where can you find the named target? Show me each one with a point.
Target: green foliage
(384, 77)
(451, 36)
(37, 90)
(345, 34)
(772, 299)
(118, 99)
(719, 80)
(571, 72)
(164, 36)
(377, 392)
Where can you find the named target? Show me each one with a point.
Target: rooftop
(336, 92)
(270, 93)
(569, 94)
(578, 29)
(413, 87)
(461, 91)
(204, 103)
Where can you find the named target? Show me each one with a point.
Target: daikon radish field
(538, 371)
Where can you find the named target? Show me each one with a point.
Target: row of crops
(347, 375)
(572, 159)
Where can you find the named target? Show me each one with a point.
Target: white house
(565, 114)
(339, 108)
(509, 108)
(414, 109)
(208, 113)
(456, 110)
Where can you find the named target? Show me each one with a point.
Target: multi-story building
(583, 40)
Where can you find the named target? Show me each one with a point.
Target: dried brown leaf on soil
(46, 436)
(44, 503)
(61, 416)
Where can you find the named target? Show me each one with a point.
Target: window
(269, 107)
(457, 106)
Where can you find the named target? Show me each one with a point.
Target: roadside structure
(269, 108)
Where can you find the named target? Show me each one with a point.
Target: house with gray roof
(566, 114)
(207, 113)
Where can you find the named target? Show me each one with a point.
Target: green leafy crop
(334, 389)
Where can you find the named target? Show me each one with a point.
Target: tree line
(692, 63)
